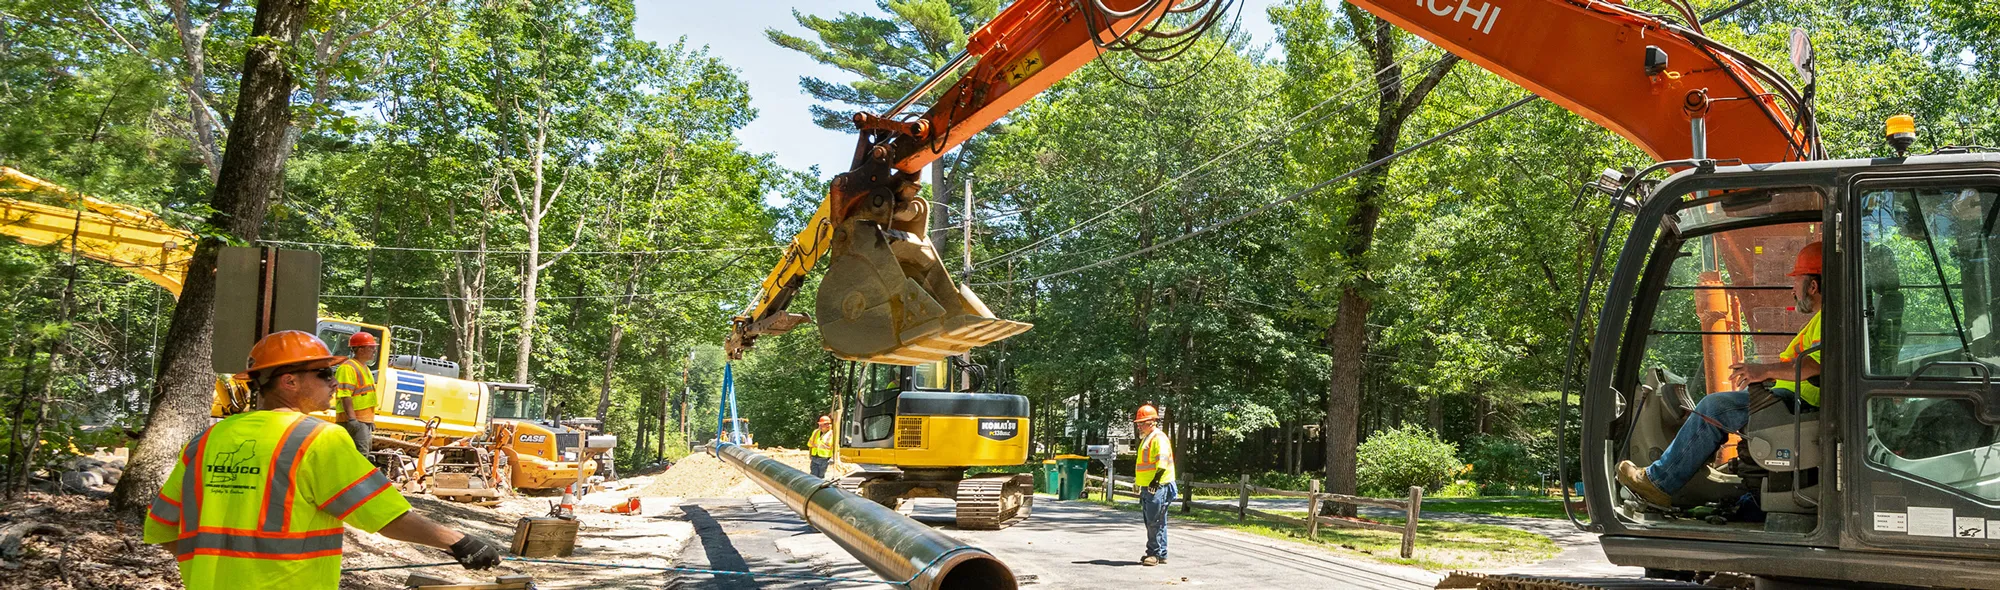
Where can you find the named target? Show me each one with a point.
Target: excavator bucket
(886, 298)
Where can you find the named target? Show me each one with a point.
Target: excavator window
(336, 335)
(1930, 276)
(1727, 299)
(878, 390)
(518, 404)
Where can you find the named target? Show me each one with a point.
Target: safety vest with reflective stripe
(821, 443)
(351, 379)
(1808, 337)
(1156, 460)
(258, 499)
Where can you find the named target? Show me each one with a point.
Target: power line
(517, 252)
(1274, 204)
(1038, 244)
(556, 298)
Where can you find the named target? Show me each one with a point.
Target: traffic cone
(568, 505)
(629, 506)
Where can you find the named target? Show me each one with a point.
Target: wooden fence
(1242, 490)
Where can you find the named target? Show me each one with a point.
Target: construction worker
(354, 391)
(257, 500)
(1155, 476)
(821, 445)
(1719, 414)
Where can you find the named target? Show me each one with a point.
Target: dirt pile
(704, 476)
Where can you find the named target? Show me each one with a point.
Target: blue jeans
(1154, 505)
(1698, 440)
(819, 466)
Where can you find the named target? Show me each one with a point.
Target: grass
(1440, 546)
(1523, 507)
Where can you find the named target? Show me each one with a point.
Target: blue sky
(734, 31)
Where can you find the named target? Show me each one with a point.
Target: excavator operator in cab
(1762, 384)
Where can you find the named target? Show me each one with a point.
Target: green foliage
(890, 54)
(418, 133)
(1391, 461)
(1280, 480)
(1458, 488)
(1503, 462)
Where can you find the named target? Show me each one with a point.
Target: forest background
(552, 200)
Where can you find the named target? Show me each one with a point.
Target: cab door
(1921, 455)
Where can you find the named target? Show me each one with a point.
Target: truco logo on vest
(225, 467)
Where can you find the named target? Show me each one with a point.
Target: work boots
(1634, 478)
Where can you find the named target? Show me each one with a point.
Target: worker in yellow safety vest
(257, 500)
(1155, 476)
(354, 396)
(821, 445)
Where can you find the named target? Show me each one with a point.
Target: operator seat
(1663, 404)
(1787, 446)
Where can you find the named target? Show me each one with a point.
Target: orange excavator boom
(1645, 76)
(886, 297)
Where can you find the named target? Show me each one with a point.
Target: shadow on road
(1107, 562)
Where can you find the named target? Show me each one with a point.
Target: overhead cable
(1038, 244)
(1274, 204)
(556, 298)
(516, 252)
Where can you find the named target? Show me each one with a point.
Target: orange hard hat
(1147, 413)
(823, 420)
(1808, 261)
(360, 339)
(291, 349)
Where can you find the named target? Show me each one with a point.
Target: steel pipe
(890, 544)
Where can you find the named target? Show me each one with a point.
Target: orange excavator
(1892, 479)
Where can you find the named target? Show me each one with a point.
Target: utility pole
(684, 394)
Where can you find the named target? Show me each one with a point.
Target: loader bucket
(886, 298)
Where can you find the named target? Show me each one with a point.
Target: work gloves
(474, 554)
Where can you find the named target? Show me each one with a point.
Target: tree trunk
(57, 352)
(531, 275)
(1348, 336)
(252, 173)
(1348, 340)
(617, 335)
(14, 444)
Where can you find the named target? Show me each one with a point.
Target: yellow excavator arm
(123, 236)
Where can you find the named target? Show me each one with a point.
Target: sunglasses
(323, 373)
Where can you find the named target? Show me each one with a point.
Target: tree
(252, 174)
(890, 55)
(1308, 30)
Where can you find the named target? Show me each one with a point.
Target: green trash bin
(1051, 478)
(1073, 468)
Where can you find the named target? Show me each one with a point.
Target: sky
(734, 32)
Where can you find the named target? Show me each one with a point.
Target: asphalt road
(1063, 545)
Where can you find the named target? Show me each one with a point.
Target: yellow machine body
(543, 458)
(950, 441)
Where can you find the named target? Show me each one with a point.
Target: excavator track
(1477, 581)
(993, 503)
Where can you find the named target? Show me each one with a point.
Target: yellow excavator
(440, 432)
(886, 301)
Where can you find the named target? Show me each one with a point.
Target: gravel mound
(703, 476)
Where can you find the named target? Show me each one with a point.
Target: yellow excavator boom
(120, 235)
